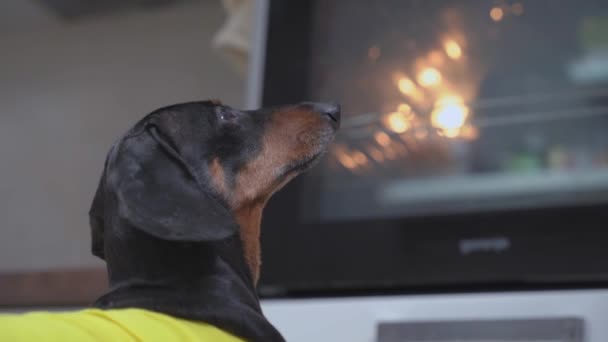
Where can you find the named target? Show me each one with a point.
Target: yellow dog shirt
(106, 325)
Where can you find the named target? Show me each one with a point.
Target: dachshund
(177, 214)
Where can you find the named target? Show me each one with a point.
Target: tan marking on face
(218, 178)
(281, 146)
(284, 142)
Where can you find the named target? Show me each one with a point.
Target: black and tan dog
(177, 212)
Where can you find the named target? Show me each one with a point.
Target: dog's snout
(330, 111)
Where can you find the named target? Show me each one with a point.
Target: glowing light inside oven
(343, 156)
(434, 103)
(452, 49)
(346, 160)
(359, 158)
(497, 13)
(376, 154)
(382, 139)
(429, 77)
(407, 86)
(449, 115)
(396, 122)
(405, 109)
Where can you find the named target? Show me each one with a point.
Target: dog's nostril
(333, 113)
(331, 110)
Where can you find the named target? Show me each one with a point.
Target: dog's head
(203, 171)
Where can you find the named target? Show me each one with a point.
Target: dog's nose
(329, 110)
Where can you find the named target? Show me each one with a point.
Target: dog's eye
(227, 115)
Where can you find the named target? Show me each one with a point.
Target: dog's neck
(249, 219)
(208, 282)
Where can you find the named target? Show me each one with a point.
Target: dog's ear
(158, 192)
(96, 219)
